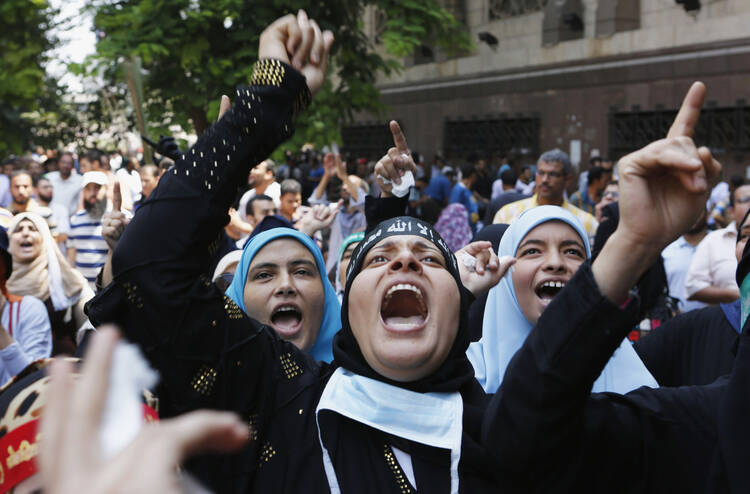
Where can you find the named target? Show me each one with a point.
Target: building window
(723, 130)
(368, 140)
(517, 137)
(502, 9)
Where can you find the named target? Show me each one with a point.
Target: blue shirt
(439, 188)
(462, 195)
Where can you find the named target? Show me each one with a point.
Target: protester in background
(5, 197)
(482, 187)
(262, 181)
(604, 163)
(610, 195)
(440, 186)
(453, 225)
(25, 335)
(461, 193)
(45, 194)
(99, 162)
(525, 183)
(291, 199)
(87, 249)
(345, 256)
(588, 199)
(128, 173)
(710, 278)
(505, 195)
(22, 189)
(66, 182)
(149, 175)
(351, 217)
(554, 174)
(40, 270)
(677, 258)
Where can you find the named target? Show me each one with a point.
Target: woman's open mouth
(286, 319)
(547, 290)
(403, 308)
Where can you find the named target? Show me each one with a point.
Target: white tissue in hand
(123, 411)
(400, 190)
(469, 261)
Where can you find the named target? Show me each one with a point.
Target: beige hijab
(49, 275)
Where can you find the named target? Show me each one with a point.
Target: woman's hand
(663, 190)
(70, 458)
(298, 41)
(480, 268)
(396, 162)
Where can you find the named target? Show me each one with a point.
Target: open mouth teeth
(547, 290)
(25, 244)
(286, 317)
(403, 307)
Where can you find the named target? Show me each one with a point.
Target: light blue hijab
(331, 322)
(505, 328)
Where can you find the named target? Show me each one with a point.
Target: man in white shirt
(66, 183)
(711, 276)
(263, 182)
(677, 257)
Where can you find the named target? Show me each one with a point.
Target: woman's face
(404, 308)
(546, 259)
(283, 289)
(25, 242)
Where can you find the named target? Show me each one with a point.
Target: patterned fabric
(91, 248)
(510, 212)
(453, 226)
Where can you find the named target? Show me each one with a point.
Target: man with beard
(87, 249)
(21, 189)
(44, 194)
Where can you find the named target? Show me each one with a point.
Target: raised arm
(543, 410)
(198, 338)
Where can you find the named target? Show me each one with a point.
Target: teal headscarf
(505, 328)
(331, 322)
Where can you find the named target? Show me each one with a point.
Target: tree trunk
(200, 121)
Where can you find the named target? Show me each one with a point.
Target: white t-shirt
(273, 191)
(28, 323)
(65, 192)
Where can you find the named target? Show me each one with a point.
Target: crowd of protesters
(480, 325)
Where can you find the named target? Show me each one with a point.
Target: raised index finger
(398, 137)
(687, 118)
(117, 197)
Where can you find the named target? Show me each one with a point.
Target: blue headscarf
(505, 328)
(331, 322)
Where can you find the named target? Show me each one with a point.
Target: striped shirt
(91, 249)
(511, 211)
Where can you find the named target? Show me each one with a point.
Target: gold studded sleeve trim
(270, 72)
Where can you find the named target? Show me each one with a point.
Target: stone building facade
(587, 76)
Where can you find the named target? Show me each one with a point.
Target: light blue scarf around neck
(505, 328)
(330, 324)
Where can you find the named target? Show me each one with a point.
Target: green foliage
(23, 47)
(195, 50)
